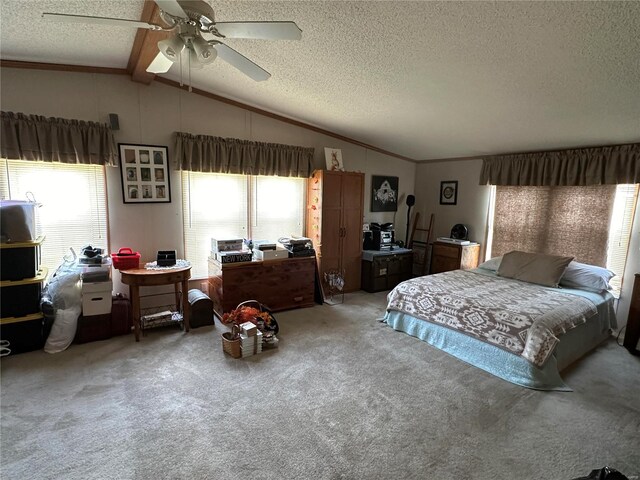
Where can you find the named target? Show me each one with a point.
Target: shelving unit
(21, 283)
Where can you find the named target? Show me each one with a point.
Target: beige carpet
(344, 397)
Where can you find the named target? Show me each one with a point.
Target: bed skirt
(499, 362)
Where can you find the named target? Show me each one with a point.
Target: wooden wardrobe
(335, 210)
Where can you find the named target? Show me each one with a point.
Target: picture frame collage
(145, 173)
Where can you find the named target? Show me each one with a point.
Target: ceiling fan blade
(172, 7)
(242, 63)
(160, 64)
(121, 22)
(260, 30)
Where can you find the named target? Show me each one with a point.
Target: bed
(522, 332)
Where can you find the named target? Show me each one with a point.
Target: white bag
(65, 291)
(63, 330)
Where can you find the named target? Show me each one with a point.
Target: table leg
(185, 304)
(134, 293)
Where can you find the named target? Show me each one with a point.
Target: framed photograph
(333, 157)
(384, 194)
(145, 173)
(449, 192)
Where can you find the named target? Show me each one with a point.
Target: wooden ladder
(420, 259)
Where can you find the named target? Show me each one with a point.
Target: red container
(125, 259)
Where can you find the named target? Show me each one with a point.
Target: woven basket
(275, 328)
(231, 346)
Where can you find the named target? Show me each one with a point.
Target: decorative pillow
(492, 264)
(583, 275)
(534, 267)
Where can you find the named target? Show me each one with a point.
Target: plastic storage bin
(18, 220)
(24, 334)
(21, 297)
(125, 259)
(20, 260)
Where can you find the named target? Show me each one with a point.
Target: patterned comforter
(522, 318)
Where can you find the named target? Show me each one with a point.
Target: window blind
(278, 207)
(620, 231)
(237, 206)
(588, 223)
(74, 206)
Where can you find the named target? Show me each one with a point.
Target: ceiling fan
(197, 34)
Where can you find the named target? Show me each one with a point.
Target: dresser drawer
(451, 251)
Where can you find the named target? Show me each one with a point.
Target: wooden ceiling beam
(145, 45)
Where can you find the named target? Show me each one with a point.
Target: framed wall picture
(449, 192)
(384, 194)
(333, 157)
(145, 173)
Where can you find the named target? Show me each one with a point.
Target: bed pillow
(583, 275)
(492, 264)
(537, 268)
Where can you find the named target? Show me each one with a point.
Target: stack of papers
(251, 345)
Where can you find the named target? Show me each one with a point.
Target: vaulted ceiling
(426, 80)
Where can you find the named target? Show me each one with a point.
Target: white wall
(472, 210)
(150, 115)
(472, 203)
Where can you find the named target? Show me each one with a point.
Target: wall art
(145, 173)
(384, 194)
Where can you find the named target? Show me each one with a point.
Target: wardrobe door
(352, 213)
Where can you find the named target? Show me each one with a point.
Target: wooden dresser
(278, 284)
(448, 256)
(632, 333)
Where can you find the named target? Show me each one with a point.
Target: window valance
(203, 153)
(33, 137)
(576, 167)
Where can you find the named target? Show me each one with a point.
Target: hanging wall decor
(333, 157)
(145, 174)
(449, 192)
(384, 194)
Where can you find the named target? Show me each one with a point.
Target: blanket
(522, 318)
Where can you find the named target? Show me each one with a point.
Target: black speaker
(113, 121)
(411, 200)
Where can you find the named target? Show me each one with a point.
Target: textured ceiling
(422, 79)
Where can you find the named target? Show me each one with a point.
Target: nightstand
(449, 256)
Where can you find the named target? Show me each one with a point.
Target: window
(585, 222)
(73, 198)
(620, 231)
(238, 206)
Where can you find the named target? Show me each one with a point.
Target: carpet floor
(343, 397)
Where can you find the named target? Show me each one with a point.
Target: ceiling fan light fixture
(171, 48)
(204, 52)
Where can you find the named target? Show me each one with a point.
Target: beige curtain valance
(203, 153)
(577, 167)
(33, 137)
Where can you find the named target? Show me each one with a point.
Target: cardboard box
(226, 245)
(249, 329)
(233, 256)
(270, 254)
(96, 298)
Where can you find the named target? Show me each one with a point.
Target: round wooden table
(141, 277)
